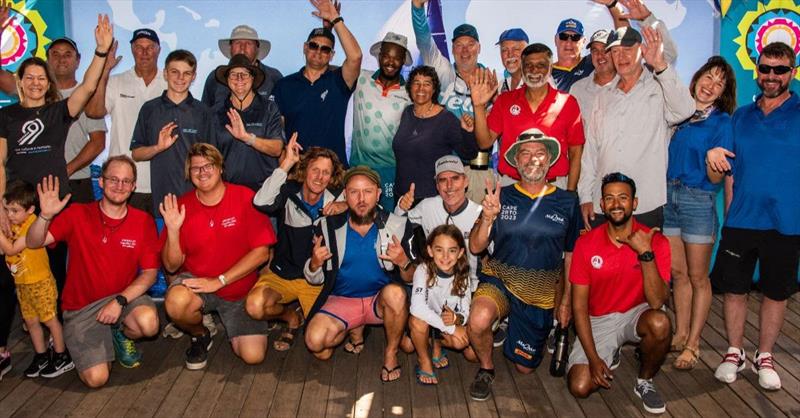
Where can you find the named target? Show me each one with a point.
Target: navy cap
(65, 40)
(324, 32)
(513, 34)
(146, 34)
(465, 29)
(624, 36)
(570, 25)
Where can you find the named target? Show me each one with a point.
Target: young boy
(36, 287)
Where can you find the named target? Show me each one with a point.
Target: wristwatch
(647, 256)
(122, 300)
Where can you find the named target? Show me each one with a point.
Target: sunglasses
(565, 36)
(777, 69)
(322, 48)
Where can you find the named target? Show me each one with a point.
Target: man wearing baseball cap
(529, 229)
(512, 42)
(585, 89)
(378, 104)
(243, 40)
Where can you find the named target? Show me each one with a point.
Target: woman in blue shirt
(690, 215)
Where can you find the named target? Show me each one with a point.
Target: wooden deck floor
(294, 384)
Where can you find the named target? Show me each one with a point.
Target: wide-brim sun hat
(240, 61)
(531, 136)
(247, 33)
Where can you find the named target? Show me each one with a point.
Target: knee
(94, 377)
(177, 300)
(699, 280)
(459, 344)
(393, 296)
(480, 320)
(253, 355)
(148, 322)
(323, 355)
(523, 370)
(657, 324)
(417, 325)
(315, 339)
(579, 388)
(254, 305)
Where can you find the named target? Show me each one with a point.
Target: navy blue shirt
(316, 111)
(195, 124)
(689, 144)
(566, 77)
(215, 93)
(244, 164)
(360, 275)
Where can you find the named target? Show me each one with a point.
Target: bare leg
(95, 376)
(393, 308)
(183, 306)
(579, 380)
(37, 335)
(681, 292)
(250, 348)
(735, 308)
(699, 257)
(654, 328)
(57, 332)
(323, 334)
(770, 321)
(479, 328)
(419, 331)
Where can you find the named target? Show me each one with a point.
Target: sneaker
(59, 364)
(767, 376)
(40, 361)
(125, 350)
(170, 330)
(615, 361)
(732, 363)
(651, 399)
(5, 363)
(208, 322)
(499, 336)
(197, 354)
(481, 387)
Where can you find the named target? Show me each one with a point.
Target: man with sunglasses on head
(313, 101)
(762, 223)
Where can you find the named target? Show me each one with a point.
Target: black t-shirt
(35, 138)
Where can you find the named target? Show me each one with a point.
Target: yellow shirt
(30, 265)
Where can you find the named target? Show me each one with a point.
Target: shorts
(38, 300)
(90, 342)
(690, 213)
(290, 290)
(353, 312)
(739, 249)
(610, 332)
(528, 325)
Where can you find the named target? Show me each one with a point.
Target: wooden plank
(689, 389)
(342, 394)
(49, 391)
(21, 356)
(506, 394)
(262, 391)
(317, 386)
(369, 400)
(208, 391)
(466, 371)
(556, 389)
(452, 402)
(531, 391)
(424, 399)
(67, 400)
(290, 384)
(234, 392)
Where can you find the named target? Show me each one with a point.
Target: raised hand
(491, 203)
(395, 252)
(603, 2)
(165, 136)
(482, 86)
(173, 214)
(334, 208)
(291, 155)
(103, 33)
(5, 12)
(407, 199)
(319, 254)
(236, 127)
(338, 5)
(419, 3)
(326, 10)
(717, 159)
(113, 59)
(639, 241)
(653, 49)
(636, 10)
(467, 122)
(49, 203)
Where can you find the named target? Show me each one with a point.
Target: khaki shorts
(290, 290)
(38, 300)
(610, 332)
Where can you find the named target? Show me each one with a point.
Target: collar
(458, 210)
(792, 100)
(549, 189)
(377, 80)
(189, 99)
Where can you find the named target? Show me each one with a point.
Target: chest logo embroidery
(127, 243)
(515, 110)
(508, 213)
(30, 131)
(555, 218)
(229, 222)
(597, 262)
(323, 95)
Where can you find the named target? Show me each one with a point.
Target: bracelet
(46, 219)
(662, 71)
(100, 54)
(252, 140)
(337, 20)
(612, 5)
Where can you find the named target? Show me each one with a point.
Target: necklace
(213, 215)
(109, 228)
(426, 113)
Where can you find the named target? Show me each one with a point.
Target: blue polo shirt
(565, 77)
(360, 275)
(195, 124)
(688, 147)
(766, 170)
(244, 164)
(316, 111)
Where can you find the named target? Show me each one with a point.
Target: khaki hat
(534, 135)
(365, 171)
(247, 33)
(392, 38)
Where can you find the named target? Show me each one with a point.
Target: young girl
(440, 298)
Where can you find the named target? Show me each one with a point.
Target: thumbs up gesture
(408, 199)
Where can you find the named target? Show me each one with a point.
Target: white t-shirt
(78, 137)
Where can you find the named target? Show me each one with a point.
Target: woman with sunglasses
(690, 215)
(249, 130)
(427, 132)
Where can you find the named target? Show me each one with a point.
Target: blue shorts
(528, 325)
(690, 213)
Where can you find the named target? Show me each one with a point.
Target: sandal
(675, 346)
(386, 373)
(687, 359)
(354, 347)
(441, 362)
(422, 373)
(285, 341)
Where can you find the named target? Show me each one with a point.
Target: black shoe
(499, 336)
(5, 364)
(197, 354)
(59, 364)
(615, 361)
(40, 361)
(481, 387)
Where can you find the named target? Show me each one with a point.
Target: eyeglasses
(114, 181)
(207, 168)
(777, 69)
(325, 49)
(240, 76)
(565, 36)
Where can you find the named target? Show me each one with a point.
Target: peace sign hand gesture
(491, 203)
(291, 154)
(640, 241)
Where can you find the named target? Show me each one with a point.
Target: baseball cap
(145, 33)
(573, 25)
(362, 170)
(324, 32)
(449, 163)
(599, 36)
(624, 36)
(65, 40)
(465, 29)
(513, 34)
(534, 135)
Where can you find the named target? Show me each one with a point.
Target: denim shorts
(690, 213)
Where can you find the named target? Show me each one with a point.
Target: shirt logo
(324, 95)
(555, 218)
(515, 110)
(597, 262)
(30, 131)
(229, 222)
(189, 131)
(508, 213)
(127, 243)
(127, 96)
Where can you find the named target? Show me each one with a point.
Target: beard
(623, 221)
(534, 81)
(366, 219)
(768, 92)
(533, 172)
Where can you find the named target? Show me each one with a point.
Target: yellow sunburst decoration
(23, 37)
(778, 20)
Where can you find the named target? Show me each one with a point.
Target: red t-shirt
(558, 116)
(214, 238)
(105, 255)
(614, 275)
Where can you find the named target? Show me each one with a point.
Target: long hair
(726, 101)
(460, 270)
(426, 71)
(52, 95)
(313, 153)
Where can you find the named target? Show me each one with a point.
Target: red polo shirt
(558, 116)
(614, 274)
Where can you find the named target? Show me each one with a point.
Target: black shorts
(738, 252)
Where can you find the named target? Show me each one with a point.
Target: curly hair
(425, 71)
(300, 170)
(460, 270)
(52, 95)
(726, 102)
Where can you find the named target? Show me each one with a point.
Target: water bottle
(558, 363)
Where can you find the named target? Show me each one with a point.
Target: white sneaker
(732, 363)
(767, 376)
(170, 330)
(208, 322)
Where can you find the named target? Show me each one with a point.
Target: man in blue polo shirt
(762, 223)
(168, 126)
(313, 101)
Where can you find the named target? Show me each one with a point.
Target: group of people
(601, 207)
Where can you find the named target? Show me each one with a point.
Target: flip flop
(287, 337)
(353, 347)
(421, 373)
(437, 361)
(389, 373)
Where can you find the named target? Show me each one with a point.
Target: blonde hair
(207, 151)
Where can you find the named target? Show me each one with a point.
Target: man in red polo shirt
(538, 105)
(216, 239)
(113, 260)
(620, 282)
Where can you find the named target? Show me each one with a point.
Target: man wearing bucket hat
(248, 125)
(243, 40)
(378, 104)
(529, 229)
